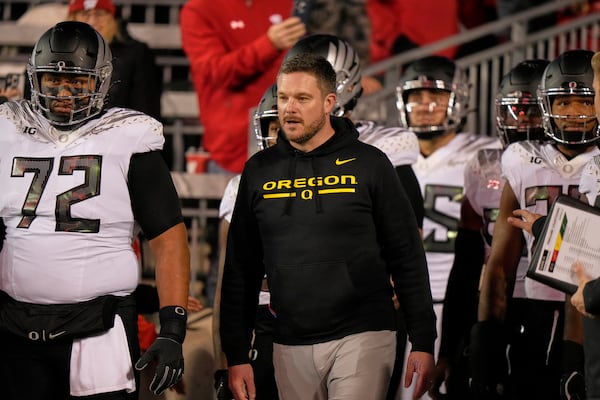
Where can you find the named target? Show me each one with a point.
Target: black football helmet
(434, 73)
(344, 60)
(71, 47)
(518, 114)
(570, 74)
(264, 114)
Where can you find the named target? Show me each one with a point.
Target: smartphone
(302, 10)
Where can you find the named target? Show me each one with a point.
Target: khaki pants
(356, 367)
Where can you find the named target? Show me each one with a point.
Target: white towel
(102, 363)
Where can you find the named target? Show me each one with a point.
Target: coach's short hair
(315, 65)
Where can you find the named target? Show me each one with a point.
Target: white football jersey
(590, 181)
(66, 205)
(441, 177)
(539, 173)
(400, 145)
(228, 199)
(483, 188)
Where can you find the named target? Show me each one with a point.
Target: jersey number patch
(432, 194)
(42, 168)
(548, 194)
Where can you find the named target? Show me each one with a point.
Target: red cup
(196, 162)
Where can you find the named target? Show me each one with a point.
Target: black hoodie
(328, 227)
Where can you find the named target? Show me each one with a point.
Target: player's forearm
(172, 256)
(492, 298)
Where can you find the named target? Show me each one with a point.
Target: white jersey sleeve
(399, 145)
(228, 200)
(483, 180)
(66, 206)
(483, 189)
(538, 174)
(590, 181)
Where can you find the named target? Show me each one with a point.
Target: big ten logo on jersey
(442, 206)
(535, 160)
(538, 196)
(29, 130)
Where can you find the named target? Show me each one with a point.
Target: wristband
(173, 321)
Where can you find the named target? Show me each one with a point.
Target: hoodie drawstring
(291, 174)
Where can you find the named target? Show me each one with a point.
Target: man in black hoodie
(325, 216)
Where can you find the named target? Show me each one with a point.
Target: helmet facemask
(348, 88)
(265, 121)
(518, 118)
(518, 114)
(566, 127)
(87, 90)
(566, 97)
(452, 109)
(70, 68)
(434, 74)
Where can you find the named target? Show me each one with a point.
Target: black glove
(488, 366)
(166, 349)
(222, 385)
(572, 381)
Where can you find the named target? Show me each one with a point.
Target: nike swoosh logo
(342, 162)
(55, 335)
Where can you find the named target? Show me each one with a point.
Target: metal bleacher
(486, 66)
(156, 22)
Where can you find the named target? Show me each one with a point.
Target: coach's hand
(166, 349)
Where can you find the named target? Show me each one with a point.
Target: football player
(536, 174)
(518, 117)
(76, 179)
(432, 98)
(265, 125)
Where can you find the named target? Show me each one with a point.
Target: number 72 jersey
(65, 202)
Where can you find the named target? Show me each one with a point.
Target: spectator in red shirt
(400, 25)
(235, 49)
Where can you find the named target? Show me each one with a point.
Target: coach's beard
(310, 131)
